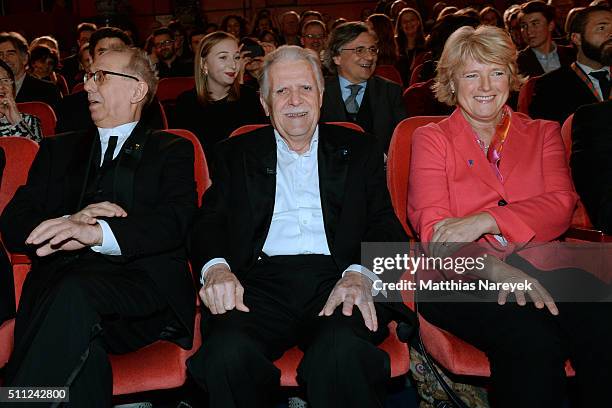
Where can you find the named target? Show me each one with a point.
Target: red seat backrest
(389, 72)
(398, 164)
(415, 76)
(78, 87)
(42, 111)
(525, 95)
(19, 153)
(200, 167)
(168, 89)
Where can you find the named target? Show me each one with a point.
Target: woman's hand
(8, 108)
(451, 234)
(505, 273)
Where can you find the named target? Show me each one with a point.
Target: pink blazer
(451, 177)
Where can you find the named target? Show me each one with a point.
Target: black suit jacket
(236, 214)
(34, 89)
(528, 63)
(154, 183)
(385, 101)
(558, 94)
(590, 161)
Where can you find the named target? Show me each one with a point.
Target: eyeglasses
(100, 75)
(362, 51)
(165, 43)
(314, 36)
(6, 81)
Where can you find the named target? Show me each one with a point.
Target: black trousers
(71, 317)
(342, 367)
(527, 347)
(7, 288)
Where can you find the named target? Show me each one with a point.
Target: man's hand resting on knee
(353, 289)
(222, 291)
(63, 234)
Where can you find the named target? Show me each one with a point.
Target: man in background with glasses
(103, 216)
(168, 64)
(354, 93)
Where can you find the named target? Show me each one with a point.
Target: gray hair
(291, 53)
(141, 66)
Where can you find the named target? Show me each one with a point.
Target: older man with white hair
(278, 243)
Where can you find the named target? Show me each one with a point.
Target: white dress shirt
(587, 70)
(110, 246)
(297, 226)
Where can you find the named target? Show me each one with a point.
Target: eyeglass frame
(89, 75)
(7, 81)
(314, 36)
(164, 43)
(361, 50)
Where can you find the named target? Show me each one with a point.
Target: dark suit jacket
(558, 94)
(236, 214)
(154, 184)
(528, 63)
(385, 100)
(34, 89)
(590, 161)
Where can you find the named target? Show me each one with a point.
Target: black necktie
(110, 149)
(604, 83)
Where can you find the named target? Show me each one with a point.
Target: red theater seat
(42, 111)
(389, 72)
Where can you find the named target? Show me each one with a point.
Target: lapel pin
(470, 162)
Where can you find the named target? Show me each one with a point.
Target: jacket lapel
(463, 136)
(128, 161)
(260, 171)
(88, 156)
(334, 159)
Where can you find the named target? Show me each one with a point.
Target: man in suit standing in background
(104, 215)
(354, 93)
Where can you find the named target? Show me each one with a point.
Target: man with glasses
(164, 48)
(353, 93)
(103, 216)
(14, 51)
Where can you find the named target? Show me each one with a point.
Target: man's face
(42, 68)
(290, 25)
(537, 32)
(195, 41)
(106, 44)
(233, 27)
(597, 36)
(164, 47)
(314, 37)
(12, 56)
(84, 37)
(354, 67)
(294, 101)
(110, 102)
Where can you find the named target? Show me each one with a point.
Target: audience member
(559, 93)
(562, 9)
(13, 122)
(354, 93)
(491, 16)
(43, 62)
(47, 40)
(468, 182)
(513, 25)
(314, 36)
(234, 25)
(14, 51)
(217, 104)
(73, 111)
(261, 24)
(396, 7)
(382, 26)
(542, 55)
(269, 37)
(410, 42)
(70, 65)
(252, 59)
(590, 161)
(111, 277)
(168, 63)
(183, 52)
(309, 15)
(275, 278)
(290, 28)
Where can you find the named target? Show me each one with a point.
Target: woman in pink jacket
(490, 175)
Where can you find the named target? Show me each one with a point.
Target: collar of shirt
(283, 147)
(542, 55)
(122, 132)
(346, 92)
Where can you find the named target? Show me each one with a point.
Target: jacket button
(502, 202)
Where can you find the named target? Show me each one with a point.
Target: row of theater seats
(161, 365)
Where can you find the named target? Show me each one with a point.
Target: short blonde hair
(485, 44)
